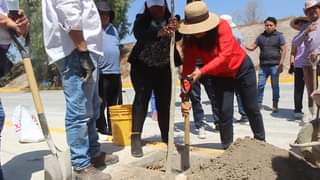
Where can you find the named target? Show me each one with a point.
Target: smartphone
(13, 14)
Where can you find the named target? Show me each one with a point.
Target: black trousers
(298, 89)
(110, 91)
(245, 83)
(144, 80)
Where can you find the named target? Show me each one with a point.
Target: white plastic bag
(26, 126)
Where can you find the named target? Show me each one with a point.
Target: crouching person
(225, 62)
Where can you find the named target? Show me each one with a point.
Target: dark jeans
(2, 117)
(298, 89)
(195, 97)
(245, 83)
(110, 91)
(264, 72)
(144, 80)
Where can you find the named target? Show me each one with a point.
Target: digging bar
(170, 148)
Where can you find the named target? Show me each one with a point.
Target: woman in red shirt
(209, 39)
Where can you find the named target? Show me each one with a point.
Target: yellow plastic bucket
(121, 122)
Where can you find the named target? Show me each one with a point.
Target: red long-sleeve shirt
(223, 61)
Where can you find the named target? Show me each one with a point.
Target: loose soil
(249, 159)
(246, 159)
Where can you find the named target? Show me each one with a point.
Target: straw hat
(310, 3)
(198, 19)
(295, 22)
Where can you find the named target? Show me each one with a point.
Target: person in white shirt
(72, 38)
(110, 86)
(19, 26)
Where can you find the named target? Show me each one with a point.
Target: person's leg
(209, 88)
(246, 85)
(162, 92)
(298, 89)
(79, 118)
(154, 113)
(113, 94)
(275, 87)
(223, 93)
(143, 87)
(101, 122)
(195, 98)
(244, 117)
(262, 79)
(308, 79)
(2, 118)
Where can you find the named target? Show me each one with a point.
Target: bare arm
(251, 47)
(283, 54)
(7, 23)
(293, 54)
(78, 40)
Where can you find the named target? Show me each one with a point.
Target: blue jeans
(264, 73)
(2, 117)
(153, 103)
(195, 97)
(82, 110)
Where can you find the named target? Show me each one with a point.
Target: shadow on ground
(208, 146)
(284, 113)
(291, 168)
(110, 148)
(24, 165)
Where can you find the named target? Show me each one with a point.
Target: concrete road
(24, 161)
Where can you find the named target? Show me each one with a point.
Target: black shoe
(275, 108)
(105, 131)
(136, 145)
(104, 160)
(243, 119)
(217, 128)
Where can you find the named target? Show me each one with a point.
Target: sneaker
(298, 115)
(202, 133)
(154, 116)
(91, 173)
(104, 160)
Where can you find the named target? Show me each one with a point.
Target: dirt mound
(248, 159)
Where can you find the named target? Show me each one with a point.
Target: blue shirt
(110, 63)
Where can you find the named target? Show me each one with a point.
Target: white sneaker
(298, 115)
(202, 133)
